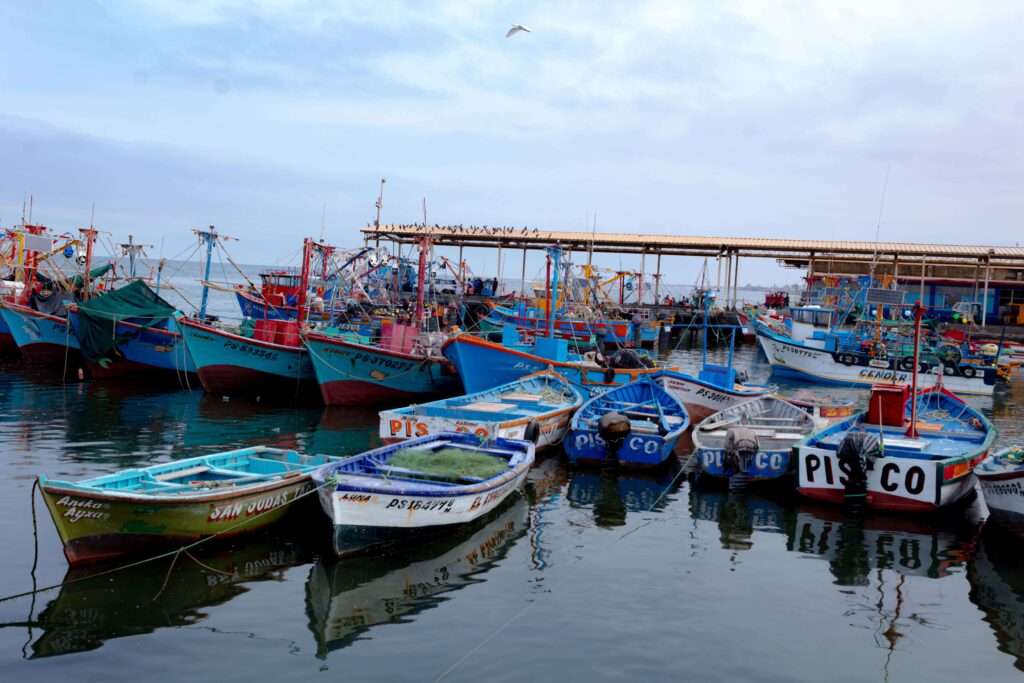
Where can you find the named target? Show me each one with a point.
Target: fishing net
(449, 463)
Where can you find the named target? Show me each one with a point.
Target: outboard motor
(614, 428)
(856, 455)
(741, 446)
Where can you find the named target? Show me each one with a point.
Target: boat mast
(421, 280)
(918, 314)
(554, 254)
(90, 237)
(209, 238)
(307, 256)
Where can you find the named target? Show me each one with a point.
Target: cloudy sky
(713, 118)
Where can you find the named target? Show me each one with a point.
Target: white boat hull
(552, 427)
(823, 366)
(1004, 496)
(702, 401)
(349, 504)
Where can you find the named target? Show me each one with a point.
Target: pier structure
(976, 266)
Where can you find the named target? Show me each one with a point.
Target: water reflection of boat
(853, 546)
(346, 598)
(86, 614)
(217, 422)
(612, 493)
(737, 515)
(996, 576)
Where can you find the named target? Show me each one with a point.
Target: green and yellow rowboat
(175, 503)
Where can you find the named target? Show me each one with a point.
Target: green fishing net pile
(449, 463)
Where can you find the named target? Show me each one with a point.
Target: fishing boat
(708, 393)
(405, 365)
(263, 357)
(536, 408)
(911, 451)
(37, 319)
(1001, 476)
(716, 386)
(905, 453)
(635, 425)
(420, 486)
(751, 442)
(823, 407)
(131, 333)
(483, 364)
(178, 502)
(841, 364)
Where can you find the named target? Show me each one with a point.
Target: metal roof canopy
(676, 245)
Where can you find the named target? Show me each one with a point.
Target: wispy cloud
(712, 115)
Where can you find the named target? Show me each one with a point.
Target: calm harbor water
(586, 576)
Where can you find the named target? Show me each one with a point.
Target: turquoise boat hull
(42, 339)
(351, 374)
(229, 364)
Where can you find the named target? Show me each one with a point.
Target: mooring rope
(176, 551)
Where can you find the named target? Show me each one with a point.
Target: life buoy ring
(907, 364)
(532, 432)
(968, 371)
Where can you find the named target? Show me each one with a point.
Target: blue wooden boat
(484, 364)
(176, 502)
(372, 501)
(897, 455)
(655, 418)
(536, 408)
(130, 333)
(751, 441)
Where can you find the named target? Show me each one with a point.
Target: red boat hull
(358, 393)
(232, 380)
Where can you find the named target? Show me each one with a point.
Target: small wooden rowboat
(1001, 476)
(177, 502)
(751, 441)
(536, 408)
(650, 422)
(375, 499)
(897, 455)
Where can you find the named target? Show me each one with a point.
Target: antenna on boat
(878, 223)
(323, 222)
(380, 205)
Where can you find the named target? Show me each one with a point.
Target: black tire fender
(532, 432)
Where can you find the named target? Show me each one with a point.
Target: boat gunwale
(526, 453)
(337, 341)
(806, 417)
(580, 366)
(206, 327)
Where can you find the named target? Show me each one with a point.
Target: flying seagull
(516, 28)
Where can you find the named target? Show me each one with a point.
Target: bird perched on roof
(516, 28)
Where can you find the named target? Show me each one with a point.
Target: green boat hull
(100, 526)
